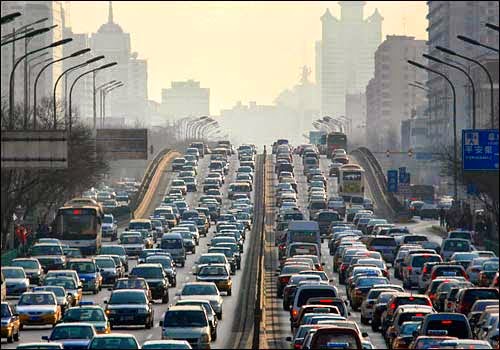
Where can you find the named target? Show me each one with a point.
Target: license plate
(35, 318)
(127, 318)
(449, 273)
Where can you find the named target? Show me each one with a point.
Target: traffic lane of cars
(34, 334)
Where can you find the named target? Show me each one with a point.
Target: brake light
(412, 298)
(449, 305)
(429, 302)
(393, 306)
(409, 268)
(295, 313)
(419, 315)
(425, 269)
(426, 255)
(325, 301)
(77, 211)
(343, 267)
(297, 346)
(446, 322)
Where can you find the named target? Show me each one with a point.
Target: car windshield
(27, 264)
(5, 311)
(14, 273)
(369, 281)
(128, 298)
(66, 283)
(455, 328)
(147, 272)
(112, 250)
(82, 267)
(211, 259)
(114, 343)
(324, 340)
(58, 291)
(199, 289)
(185, 318)
(46, 250)
(409, 327)
(385, 242)
(213, 271)
(72, 332)
(37, 299)
(309, 293)
(131, 283)
(171, 243)
(105, 263)
(420, 260)
(490, 266)
(131, 240)
(80, 314)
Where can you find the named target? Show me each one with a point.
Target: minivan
(385, 245)
(173, 243)
(307, 291)
(453, 245)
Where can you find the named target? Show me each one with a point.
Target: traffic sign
(402, 172)
(392, 181)
(480, 149)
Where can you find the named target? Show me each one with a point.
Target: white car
(205, 291)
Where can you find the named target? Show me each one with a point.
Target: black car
(129, 307)
(157, 279)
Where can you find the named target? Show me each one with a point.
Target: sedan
(16, 281)
(32, 268)
(217, 273)
(114, 341)
(72, 335)
(10, 323)
(204, 291)
(129, 307)
(38, 308)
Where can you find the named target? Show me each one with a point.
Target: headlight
(205, 338)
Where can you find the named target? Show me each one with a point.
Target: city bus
(335, 140)
(351, 181)
(79, 225)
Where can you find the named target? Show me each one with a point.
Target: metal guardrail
(146, 179)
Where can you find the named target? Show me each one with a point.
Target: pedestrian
(442, 217)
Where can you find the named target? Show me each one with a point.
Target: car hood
(72, 343)
(87, 276)
(107, 225)
(212, 278)
(35, 308)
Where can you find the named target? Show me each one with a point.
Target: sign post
(392, 181)
(480, 150)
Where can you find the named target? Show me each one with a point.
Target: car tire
(174, 284)
(374, 327)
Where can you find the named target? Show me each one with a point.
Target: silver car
(188, 322)
(204, 291)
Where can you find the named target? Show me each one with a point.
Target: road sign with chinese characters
(480, 150)
(392, 181)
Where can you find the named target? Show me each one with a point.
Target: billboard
(480, 149)
(116, 144)
(40, 149)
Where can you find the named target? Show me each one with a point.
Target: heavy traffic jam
(161, 282)
(348, 278)
(345, 276)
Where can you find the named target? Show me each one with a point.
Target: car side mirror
(288, 338)
(45, 337)
(364, 334)
(105, 301)
(160, 323)
(323, 264)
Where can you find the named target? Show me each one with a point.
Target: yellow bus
(351, 181)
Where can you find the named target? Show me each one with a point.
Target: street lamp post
(99, 88)
(432, 58)
(104, 92)
(11, 87)
(476, 43)
(76, 80)
(92, 60)
(75, 54)
(9, 17)
(455, 144)
(30, 70)
(483, 67)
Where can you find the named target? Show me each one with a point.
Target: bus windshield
(304, 236)
(71, 224)
(351, 176)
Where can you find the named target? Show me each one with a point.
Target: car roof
(185, 308)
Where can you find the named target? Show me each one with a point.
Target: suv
(109, 227)
(450, 324)
(385, 245)
(403, 299)
(156, 278)
(413, 267)
(453, 245)
(188, 322)
(305, 292)
(467, 296)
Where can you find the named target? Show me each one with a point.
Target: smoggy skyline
(242, 51)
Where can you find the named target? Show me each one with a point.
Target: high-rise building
(32, 11)
(389, 98)
(129, 101)
(355, 112)
(347, 48)
(185, 99)
(447, 19)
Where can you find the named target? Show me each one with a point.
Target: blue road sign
(402, 172)
(406, 179)
(480, 149)
(392, 181)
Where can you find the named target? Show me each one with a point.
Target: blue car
(88, 272)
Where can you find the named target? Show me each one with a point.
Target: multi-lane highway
(231, 304)
(278, 320)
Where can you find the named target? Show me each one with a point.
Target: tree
(50, 188)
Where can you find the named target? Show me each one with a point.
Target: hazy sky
(248, 51)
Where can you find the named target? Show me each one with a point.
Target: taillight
(409, 268)
(358, 292)
(449, 305)
(424, 270)
(297, 346)
(393, 306)
(343, 267)
(295, 313)
(429, 302)
(433, 275)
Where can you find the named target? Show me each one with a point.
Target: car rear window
(328, 217)
(475, 294)
(411, 300)
(324, 340)
(457, 246)
(410, 239)
(420, 260)
(318, 205)
(384, 241)
(455, 328)
(306, 294)
(449, 271)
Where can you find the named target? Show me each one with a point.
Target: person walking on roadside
(442, 217)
